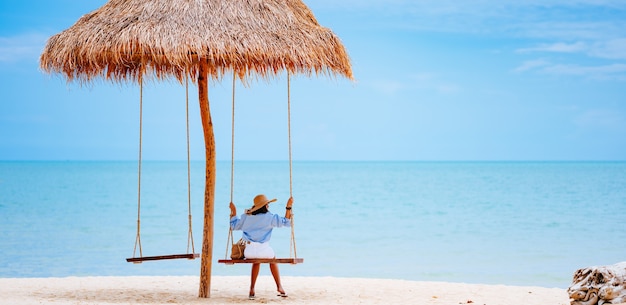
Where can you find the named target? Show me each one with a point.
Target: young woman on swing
(257, 224)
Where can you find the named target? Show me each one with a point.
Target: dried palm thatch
(126, 39)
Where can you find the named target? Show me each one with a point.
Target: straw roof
(126, 39)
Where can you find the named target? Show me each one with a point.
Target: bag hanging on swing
(238, 249)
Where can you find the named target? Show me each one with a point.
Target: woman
(257, 224)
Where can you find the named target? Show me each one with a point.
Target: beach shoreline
(233, 290)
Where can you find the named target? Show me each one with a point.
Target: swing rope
(230, 239)
(190, 230)
(138, 237)
(190, 243)
(292, 242)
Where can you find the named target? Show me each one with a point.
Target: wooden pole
(209, 188)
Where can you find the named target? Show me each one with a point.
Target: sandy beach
(233, 290)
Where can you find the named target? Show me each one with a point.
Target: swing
(293, 259)
(188, 255)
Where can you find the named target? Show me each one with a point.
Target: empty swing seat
(138, 260)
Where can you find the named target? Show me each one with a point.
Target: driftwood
(599, 285)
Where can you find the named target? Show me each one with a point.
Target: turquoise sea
(514, 223)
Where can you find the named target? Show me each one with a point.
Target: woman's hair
(262, 210)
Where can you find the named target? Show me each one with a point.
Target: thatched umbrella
(128, 40)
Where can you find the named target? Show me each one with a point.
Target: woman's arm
(233, 210)
(288, 207)
(236, 223)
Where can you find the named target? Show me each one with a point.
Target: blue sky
(435, 80)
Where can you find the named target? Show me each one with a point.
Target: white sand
(234, 290)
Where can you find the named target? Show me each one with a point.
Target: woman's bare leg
(276, 275)
(253, 276)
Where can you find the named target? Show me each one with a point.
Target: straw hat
(259, 202)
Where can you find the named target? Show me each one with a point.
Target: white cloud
(21, 47)
(433, 82)
(585, 70)
(609, 49)
(568, 20)
(601, 118)
(559, 47)
(388, 86)
(613, 49)
(531, 64)
(615, 71)
(426, 81)
(447, 88)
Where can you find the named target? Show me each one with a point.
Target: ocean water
(513, 223)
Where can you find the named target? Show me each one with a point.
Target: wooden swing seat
(292, 261)
(138, 260)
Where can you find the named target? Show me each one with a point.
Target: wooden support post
(209, 188)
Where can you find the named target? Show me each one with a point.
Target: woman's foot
(251, 295)
(281, 293)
